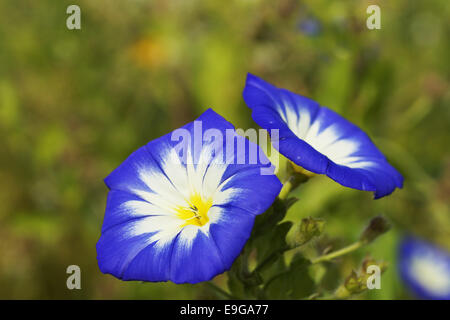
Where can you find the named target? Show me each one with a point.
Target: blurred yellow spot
(197, 212)
(148, 52)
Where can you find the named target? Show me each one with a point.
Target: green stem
(292, 182)
(287, 187)
(338, 253)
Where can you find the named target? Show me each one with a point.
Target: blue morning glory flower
(181, 208)
(425, 269)
(320, 140)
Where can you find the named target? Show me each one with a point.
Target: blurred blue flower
(425, 269)
(320, 140)
(170, 217)
(310, 26)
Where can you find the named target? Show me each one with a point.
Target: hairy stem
(338, 253)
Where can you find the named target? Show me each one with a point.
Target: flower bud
(377, 226)
(354, 283)
(308, 229)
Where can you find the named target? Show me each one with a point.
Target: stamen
(196, 212)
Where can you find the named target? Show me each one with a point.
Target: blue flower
(310, 26)
(181, 210)
(425, 269)
(320, 140)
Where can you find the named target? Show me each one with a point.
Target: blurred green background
(75, 103)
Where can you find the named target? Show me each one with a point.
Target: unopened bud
(308, 229)
(357, 282)
(377, 226)
(353, 283)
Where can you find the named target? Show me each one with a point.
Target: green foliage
(75, 104)
(294, 283)
(273, 278)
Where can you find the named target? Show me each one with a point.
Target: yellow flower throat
(197, 212)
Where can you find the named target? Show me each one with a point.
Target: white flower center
(431, 274)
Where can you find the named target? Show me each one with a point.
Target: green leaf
(295, 283)
(271, 247)
(265, 222)
(235, 285)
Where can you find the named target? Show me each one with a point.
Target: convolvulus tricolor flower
(425, 268)
(183, 217)
(320, 140)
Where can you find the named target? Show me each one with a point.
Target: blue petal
(255, 192)
(196, 261)
(320, 140)
(115, 250)
(152, 263)
(231, 233)
(116, 210)
(412, 250)
(126, 177)
(180, 261)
